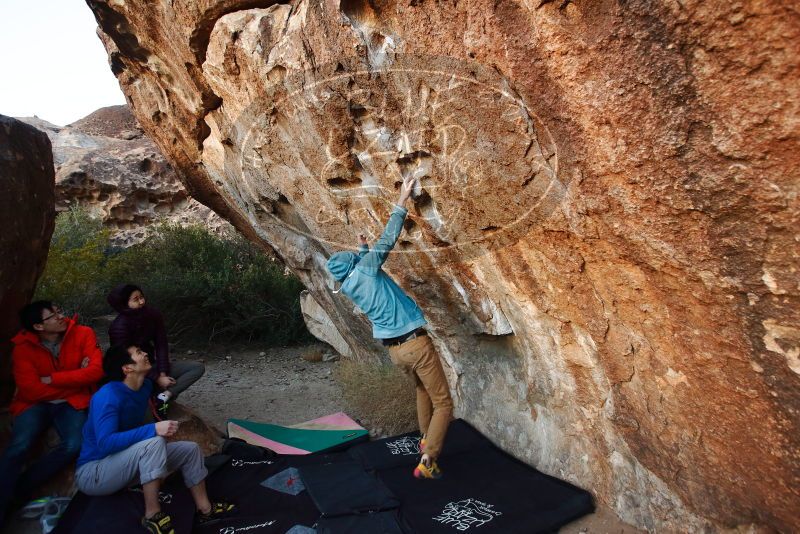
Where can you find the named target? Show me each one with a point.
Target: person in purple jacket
(141, 325)
(119, 451)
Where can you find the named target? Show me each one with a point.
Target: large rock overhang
(605, 245)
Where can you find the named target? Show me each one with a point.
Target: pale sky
(52, 64)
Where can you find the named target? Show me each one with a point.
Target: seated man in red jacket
(57, 364)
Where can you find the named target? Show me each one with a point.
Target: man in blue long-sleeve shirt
(118, 450)
(397, 321)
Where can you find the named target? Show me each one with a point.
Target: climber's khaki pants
(418, 357)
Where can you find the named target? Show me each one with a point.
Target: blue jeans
(28, 426)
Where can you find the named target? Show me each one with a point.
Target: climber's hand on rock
(406, 189)
(362, 239)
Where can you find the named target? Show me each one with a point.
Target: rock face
(605, 243)
(321, 326)
(27, 214)
(105, 163)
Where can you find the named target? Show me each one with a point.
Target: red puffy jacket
(71, 379)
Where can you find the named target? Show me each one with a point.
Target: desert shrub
(208, 287)
(76, 264)
(379, 393)
(214, 288)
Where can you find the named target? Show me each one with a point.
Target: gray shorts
(141, 463)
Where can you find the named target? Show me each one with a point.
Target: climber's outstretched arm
(373, 259)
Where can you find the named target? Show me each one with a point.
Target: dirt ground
(278, 385)
(270, 385)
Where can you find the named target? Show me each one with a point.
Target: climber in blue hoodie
(398, 322)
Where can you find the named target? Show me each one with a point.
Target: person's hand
(46, 379)
(166, 428)
(165, 381)
(406, 189)
(362, 239)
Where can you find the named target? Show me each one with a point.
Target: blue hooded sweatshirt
(391, 311)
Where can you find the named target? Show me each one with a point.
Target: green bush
(214, 288)
(76, 264)
(208, 287)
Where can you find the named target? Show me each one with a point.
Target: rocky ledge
(106, 164)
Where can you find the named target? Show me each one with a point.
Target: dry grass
(381, 395)
(313, 354)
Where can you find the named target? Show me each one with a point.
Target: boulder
(605, 237)
(27, 215)
(193, 427)
(320, 326)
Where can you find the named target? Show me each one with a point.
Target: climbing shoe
(219, 510)
(428, 471)
(162, 403)
(160, 523)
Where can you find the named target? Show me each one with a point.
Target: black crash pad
(369, 488)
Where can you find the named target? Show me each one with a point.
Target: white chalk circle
(340, 139)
